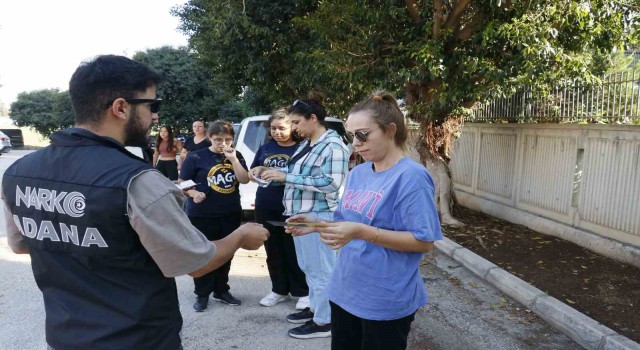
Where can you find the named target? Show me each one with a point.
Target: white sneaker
(303, 303)
(273, 298)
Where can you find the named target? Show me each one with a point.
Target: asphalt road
(464, 311)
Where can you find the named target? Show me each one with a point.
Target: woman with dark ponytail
(314, 176)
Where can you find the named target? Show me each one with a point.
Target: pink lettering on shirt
(357, 201)
(378, 197)
(348, 197)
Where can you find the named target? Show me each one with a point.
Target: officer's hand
(253, 236)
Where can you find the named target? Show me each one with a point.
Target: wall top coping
(600, 127)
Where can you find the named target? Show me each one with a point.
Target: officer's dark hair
(97, 83)
(220, 127)
(312, 105)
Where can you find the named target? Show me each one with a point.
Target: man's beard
(135, 133)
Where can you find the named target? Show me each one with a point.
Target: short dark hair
(98, 82)
(220, 127)
(312, 105)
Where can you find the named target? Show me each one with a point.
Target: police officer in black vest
(105, 231)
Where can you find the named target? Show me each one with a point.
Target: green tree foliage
(188, 93)
(45, 111)
(256, 44)
(441, 55)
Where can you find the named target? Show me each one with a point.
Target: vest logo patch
(222, 179)
(65, 233)
(69, 203)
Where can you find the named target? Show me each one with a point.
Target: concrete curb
(582, 329)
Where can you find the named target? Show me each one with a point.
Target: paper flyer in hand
(186, 184)
(297, 224)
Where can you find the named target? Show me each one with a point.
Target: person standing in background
(284, 271)
(387, 219)
(312, 183)
(164, 157)
(197, 141)
(213, 205)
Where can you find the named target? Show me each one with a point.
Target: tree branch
(413, 10)
(454, 16)
(437, 18)
(469, 28)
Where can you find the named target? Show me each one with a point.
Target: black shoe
(301, 317)
(201, 303)
(226, 298)
(311, 330)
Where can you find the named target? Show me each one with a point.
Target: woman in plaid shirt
(316, 172)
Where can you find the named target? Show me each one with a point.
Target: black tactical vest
(101, 288)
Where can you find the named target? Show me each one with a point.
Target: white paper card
(186, 184)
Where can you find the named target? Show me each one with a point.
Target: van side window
(256, 135)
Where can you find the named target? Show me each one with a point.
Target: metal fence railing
(617, 99)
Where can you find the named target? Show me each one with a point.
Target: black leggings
(168, 168)
(216, 281)
(350, 332)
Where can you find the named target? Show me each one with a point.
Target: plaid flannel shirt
(312, 183)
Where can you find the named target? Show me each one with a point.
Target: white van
(254, 132)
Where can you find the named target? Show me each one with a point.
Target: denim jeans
(316, 260)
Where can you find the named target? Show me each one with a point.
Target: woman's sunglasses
(361, 135)
(297, 102)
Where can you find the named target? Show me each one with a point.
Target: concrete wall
(578, 182)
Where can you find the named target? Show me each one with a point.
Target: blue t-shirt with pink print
(370, 281)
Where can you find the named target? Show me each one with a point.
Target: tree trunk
(443, 190)
(433, 147)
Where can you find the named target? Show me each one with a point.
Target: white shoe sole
(304, 320)
(312, 335)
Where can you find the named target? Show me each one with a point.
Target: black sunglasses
(301, 102)
(154, 103)
(361, 135)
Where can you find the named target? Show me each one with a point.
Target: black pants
(286, 276)
(168, 168)
(216, 281)
(349, 332)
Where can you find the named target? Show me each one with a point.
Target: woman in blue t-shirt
(213, 205)
(386, 220)
(286, 276)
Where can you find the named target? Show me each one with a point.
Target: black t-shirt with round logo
(214, 175)
(191, 146)
(272, 155)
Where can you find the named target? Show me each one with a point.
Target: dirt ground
(604, 289)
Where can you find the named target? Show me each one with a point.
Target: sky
(42, 42)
